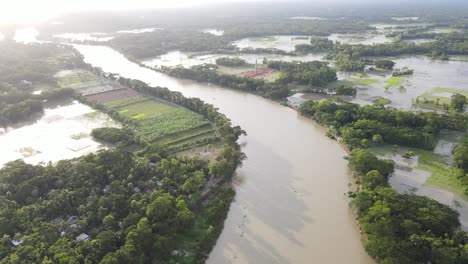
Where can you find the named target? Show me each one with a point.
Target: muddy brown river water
(290, 205)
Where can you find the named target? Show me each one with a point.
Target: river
(290, 205)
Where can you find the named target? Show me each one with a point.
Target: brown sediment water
(290, 204)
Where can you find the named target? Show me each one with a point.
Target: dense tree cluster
(230, 62)
(155, 43)
(109, 207)
(22, 67)
(384, 64)
(346, 90)
(360, 124)
(345, 63)
(403, 228)
(207, 73)
(314, 73)
(117, 206)
(317, 44)
(460, 159)
(111, 135)
(458, 102)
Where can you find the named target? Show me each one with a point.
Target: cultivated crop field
(112, 96)
(159, 122)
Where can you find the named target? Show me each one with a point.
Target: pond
(365, 39)
(62, 132)
(285, 43)
(175, 58)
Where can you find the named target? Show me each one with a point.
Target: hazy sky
(32, 10)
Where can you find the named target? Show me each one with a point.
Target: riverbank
(278, 209)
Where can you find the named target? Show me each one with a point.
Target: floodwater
(428, 74)
(175, 58)
(307, 18)
(408, 179)
(286, 43)
(365, 39)
(212, 31)
(97, 36)
(138, 31)
(61, 133)
(26, 35)
(101, 36)
(419, 41)
(290, 205)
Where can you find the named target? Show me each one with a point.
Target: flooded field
(428, 74)
(101, 36)
(138, 31)
(365, 39)
(212, 31)
(26, 35)
(185, 59)
(416, 176)
(286, 43)
(97, 36)
(307, 18)
(418, 41)
(62, 132)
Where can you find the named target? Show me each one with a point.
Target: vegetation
(460, 157)
(114, 207)
(111, 135)
(403, 72)
(208, 73)
(117, 206)
(22, 69)
(381, 101)
(230, 62)
(384, 64)
(458, 102)
(440, 98)
(317, 44)
(346, 90)
(355, 123)
(399, 228)
(161, 41)
(312, 73)
(392, 82)
(346, 63)
(403, 228)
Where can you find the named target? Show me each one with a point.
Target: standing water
(290, 205)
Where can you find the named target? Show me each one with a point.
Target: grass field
(77, 79)
(392, 82)
(363, 81)
(437, 97)
(441, 171)
(381, 101)
(159, 122)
